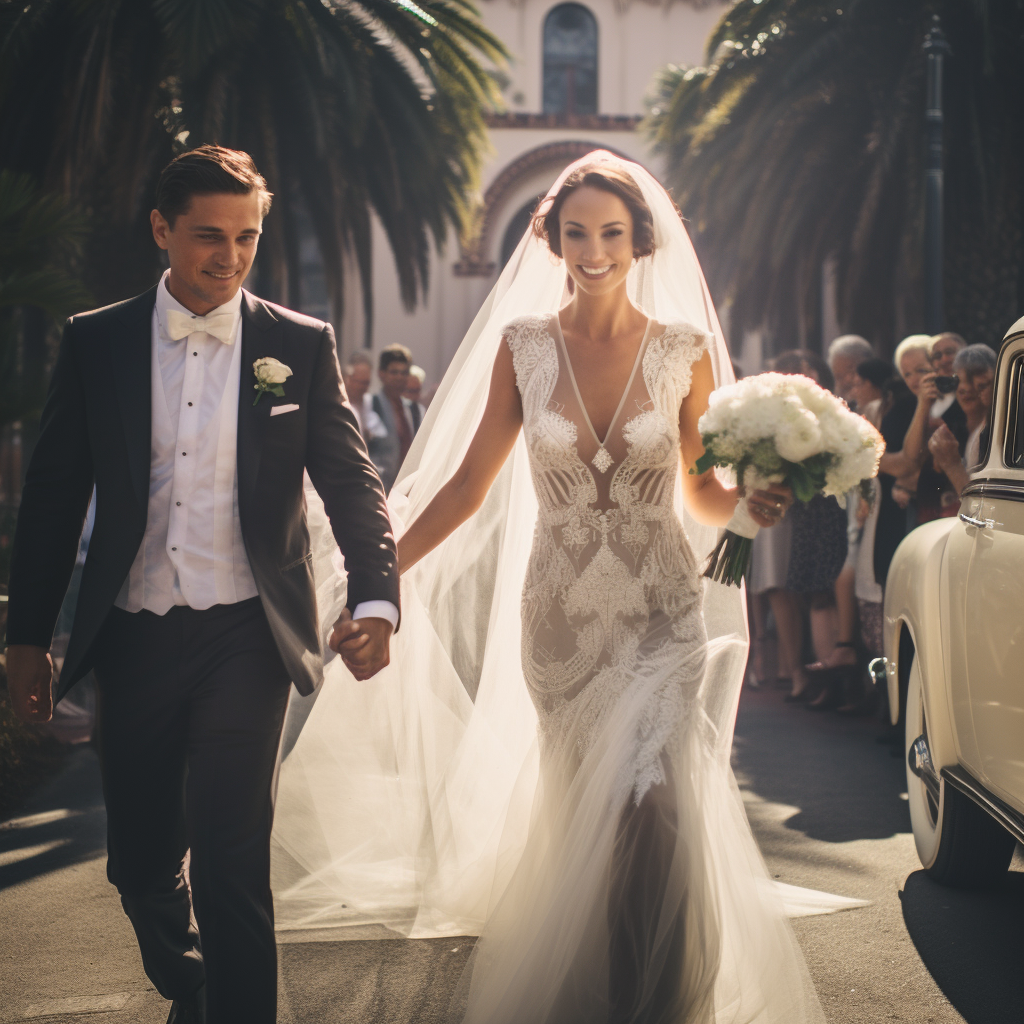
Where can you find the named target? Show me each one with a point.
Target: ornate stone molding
(474, 248)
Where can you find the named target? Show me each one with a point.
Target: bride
(587, 824)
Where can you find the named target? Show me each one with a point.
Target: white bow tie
(220, 325)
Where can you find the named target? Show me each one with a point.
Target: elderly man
(943, 353)
(358, 374)
(845, 354)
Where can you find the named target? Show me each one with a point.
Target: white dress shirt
(193, 553)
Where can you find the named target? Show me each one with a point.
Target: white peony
(798, 420)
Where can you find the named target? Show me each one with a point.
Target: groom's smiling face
(210, 248)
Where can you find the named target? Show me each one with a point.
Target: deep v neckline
(602, 459)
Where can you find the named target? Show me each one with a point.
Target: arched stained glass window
(570, 60)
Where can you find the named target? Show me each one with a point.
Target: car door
(994, 610)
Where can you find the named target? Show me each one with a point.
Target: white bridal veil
(407, 800)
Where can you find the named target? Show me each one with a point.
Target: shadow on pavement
(63, 824)
(846, 785)
(972, 944)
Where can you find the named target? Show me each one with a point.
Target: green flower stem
(268, 389)
(729, 563)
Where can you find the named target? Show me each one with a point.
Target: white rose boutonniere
(270, 376)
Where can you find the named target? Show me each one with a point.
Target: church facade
(579, 80)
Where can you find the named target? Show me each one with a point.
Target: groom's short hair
(204, 171)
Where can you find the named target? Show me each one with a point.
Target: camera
(947, 385)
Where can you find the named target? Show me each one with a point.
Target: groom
(197, 606)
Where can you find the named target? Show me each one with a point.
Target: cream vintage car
(954, 656)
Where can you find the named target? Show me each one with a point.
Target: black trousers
(191, 709)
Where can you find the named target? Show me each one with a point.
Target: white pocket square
(276, 410)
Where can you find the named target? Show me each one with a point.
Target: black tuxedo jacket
(96, 428)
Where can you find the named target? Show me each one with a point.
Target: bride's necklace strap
(602, 459)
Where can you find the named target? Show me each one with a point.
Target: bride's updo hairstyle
(607, 178)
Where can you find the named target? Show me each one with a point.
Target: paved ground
(825, 802)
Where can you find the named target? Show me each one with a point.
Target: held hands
(362, 644)
(768, 506)
(29, 676)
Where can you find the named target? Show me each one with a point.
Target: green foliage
(351, 110)
(806, 478)
(802, 143)
(39, 239)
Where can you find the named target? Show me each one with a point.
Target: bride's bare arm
(707, 498)
(463, 494)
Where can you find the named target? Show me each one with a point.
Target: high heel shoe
(831, 691)
(821, 669)
(837, 683)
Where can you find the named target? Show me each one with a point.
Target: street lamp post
(936, 48)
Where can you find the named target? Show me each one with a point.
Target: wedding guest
(401, 418)
(978, 364)
(904, 428)
(944, 350)
(414, 385)
(975, 365)
(816, 555)
(844, 356)
(935, 495)
(769, 564)
(869, 388)
(868, 589)
(358, 374)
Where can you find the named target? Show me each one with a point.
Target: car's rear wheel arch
(907, 652)
(958, 843)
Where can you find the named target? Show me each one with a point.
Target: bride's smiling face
(596, 234)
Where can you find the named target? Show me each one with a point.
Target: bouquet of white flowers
(781, 428)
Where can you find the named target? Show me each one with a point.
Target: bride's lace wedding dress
(618, 911)
(613, 656)
(612, 591)
(545, 763)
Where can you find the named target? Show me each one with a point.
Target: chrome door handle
(982, 524)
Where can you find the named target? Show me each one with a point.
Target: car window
(1014, 454)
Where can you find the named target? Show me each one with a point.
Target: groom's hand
(362, 644)
(29, 676)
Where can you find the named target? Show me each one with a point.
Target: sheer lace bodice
(612, 590)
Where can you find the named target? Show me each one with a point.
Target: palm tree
(39, 238)
(800, 147)
(352, 109)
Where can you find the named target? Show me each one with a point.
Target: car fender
(915, 605)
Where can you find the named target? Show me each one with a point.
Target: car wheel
(958, 843)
